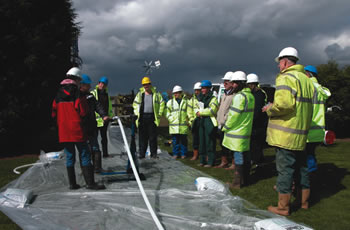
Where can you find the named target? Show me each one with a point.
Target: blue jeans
(241, 158)
(179, 144)
(84, 152)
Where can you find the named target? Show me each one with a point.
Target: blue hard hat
(85, 79)
(206, 83)
(311, 69)
(104, 80)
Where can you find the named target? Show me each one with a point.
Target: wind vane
(149, 67)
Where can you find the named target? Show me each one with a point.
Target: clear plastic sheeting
(169, 185)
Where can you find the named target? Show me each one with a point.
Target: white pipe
(154, 216)
(23, 166)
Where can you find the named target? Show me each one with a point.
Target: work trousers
(291, 164)
(147, 134)
(225, 152)
(104, 140)
(195, 134)
(93, 142)
(207, 141)
(311, 156)
(179, 144)
(84, 153)
(256, 145)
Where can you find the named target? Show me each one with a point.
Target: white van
(218, 90)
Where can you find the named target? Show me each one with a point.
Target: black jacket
(89, 122)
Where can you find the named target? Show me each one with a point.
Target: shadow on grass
(326, 182)
(265, 170)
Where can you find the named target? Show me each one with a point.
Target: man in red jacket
(69, 109)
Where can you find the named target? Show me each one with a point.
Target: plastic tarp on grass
(169, 185)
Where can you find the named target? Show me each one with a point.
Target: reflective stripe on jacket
(177, 116)
(238, 126)
(291, 112)
(158, 105)
(210, 111)
(99, 119)
(317, 128)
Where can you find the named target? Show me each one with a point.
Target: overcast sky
(203, 39)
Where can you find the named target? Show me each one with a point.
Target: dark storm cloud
(203, 39)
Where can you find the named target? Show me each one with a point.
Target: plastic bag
(15, 198)
(51, 156)
(278, 224)
(209, 184)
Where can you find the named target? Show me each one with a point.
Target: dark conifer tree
(36, 40)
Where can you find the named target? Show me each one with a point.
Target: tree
(36, 51)
(338, 81)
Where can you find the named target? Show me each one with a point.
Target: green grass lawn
(330, 204)
(7, 175)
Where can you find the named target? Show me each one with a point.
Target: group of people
(231, 121)
(80, 116)
(294, 123)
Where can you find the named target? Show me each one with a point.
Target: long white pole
(154, 216)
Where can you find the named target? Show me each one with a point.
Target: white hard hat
(239, 76)
(74, 72)
(287, 52)
(177, 88)
(228, 76)
(197, 86)
(252, 78)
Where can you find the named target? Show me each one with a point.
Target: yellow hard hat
(146, 80)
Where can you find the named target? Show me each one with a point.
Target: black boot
(88, 173)
(71, 178)
(97, 161)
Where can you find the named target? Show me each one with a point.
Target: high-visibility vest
(291, 112)
(158, 105)
(177, 116)
(238, 126)
(317, 127)
(99, 119)
(192, 107)
(210, 111)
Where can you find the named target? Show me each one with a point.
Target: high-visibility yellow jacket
(158, 105)
(317, 128)
(291, 112)
(238, 126)
(177, 115)
(99, 119)
(210, 111)
(192, 107)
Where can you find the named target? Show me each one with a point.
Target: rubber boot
(195, 155)
(233, 165)
(305, 194)
(88, 174)
(97, 161)
(223, 163)
(238, 180)
(283, 205)
(71, 178)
